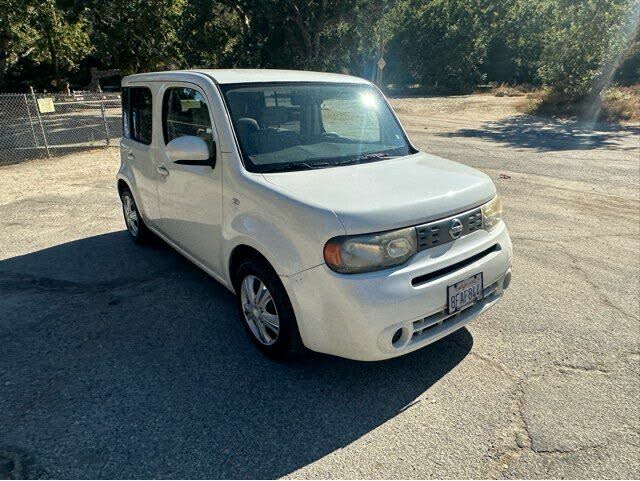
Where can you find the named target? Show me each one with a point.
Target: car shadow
(547, 134)
(125, 361)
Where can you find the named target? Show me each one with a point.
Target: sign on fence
(46, 105)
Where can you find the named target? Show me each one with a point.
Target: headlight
(492, 213)
(370, 252)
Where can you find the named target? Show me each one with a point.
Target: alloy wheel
(130, 215)
(259, 310)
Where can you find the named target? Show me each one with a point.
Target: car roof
(232, 76)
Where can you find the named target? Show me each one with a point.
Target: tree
(514, 41)
(629, 71)
(63, 38)
(45, 33)
(443, 42)
(16, 35)
(210, 32)
(580, 42)
(573, 47)
(138, 35)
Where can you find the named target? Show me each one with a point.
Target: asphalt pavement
(126, 361)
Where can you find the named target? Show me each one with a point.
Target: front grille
(437, 232)
(416, 281)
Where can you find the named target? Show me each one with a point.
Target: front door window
(185, 112)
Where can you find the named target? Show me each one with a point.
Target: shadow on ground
(530, 132)
(121, 361)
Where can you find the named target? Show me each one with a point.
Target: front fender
(288, 232)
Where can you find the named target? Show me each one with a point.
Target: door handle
(162, 170)
(130, 156)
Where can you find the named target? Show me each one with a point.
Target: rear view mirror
(190, 150)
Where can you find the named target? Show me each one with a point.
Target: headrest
(247, 125)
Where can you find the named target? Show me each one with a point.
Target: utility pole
(381, 63)
(104, 115)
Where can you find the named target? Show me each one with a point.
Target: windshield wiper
(296, 166)
(317, 164)
(366, 158)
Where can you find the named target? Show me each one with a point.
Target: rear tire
(132, 218)
(266, 311)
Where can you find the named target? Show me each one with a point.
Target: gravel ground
(119, 361)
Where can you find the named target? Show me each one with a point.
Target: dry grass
(506, 90)
(617, 104)
(622, 103)
(545, 102)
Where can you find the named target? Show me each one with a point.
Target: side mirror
(190, 150)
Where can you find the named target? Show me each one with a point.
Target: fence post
(33, 131)
(44, 136)
(104, 114)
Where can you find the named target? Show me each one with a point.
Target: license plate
(464, 293)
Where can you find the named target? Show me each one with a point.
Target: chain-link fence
(46, 125)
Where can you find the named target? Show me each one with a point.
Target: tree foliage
(452, 45)
(581, 42)
(42, 37)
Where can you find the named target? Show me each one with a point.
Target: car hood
(390, 193)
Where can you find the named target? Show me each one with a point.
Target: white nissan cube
(301, 193)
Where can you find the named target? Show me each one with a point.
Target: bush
(505, 90)
(547, 102)
(622, 103)
(629, 71)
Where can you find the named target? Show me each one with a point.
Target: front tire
(266, 311)
(132, 218)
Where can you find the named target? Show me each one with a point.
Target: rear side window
(137, 114)
(185, 112)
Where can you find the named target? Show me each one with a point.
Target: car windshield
(299, 126)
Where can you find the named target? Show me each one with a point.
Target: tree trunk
(54, 59)
(304, 32)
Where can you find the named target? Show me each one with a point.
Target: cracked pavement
(128, 362)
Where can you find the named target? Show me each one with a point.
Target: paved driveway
(126, 361)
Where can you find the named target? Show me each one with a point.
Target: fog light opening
(506, 281)
(400, 337)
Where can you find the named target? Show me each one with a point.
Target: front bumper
(356, 316)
